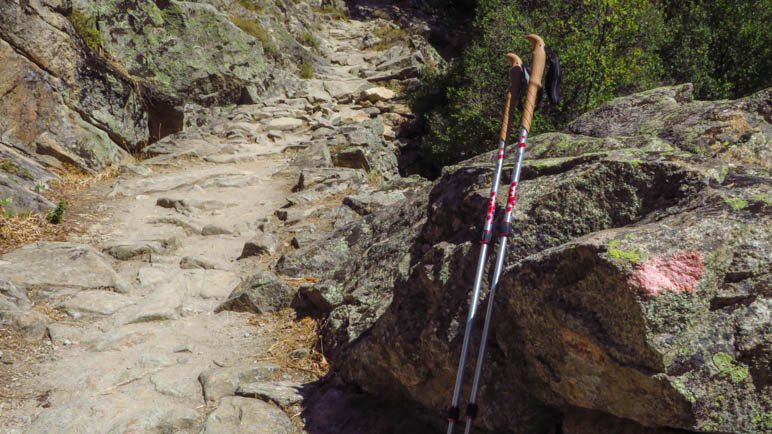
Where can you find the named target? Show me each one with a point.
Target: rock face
(58, 98)
(637, 292)
(167, 43)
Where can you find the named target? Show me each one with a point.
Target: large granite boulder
(58, 101)
(190, 50)
(637, 292)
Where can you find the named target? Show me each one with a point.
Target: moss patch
(726, 365)
(615, 251)
(85, 26)
(681, 387)
(737, 203)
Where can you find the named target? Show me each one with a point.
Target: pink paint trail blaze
(680, 272)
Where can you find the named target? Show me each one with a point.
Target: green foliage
(5, 207)
(56, 215)
(8, 166)
(308, 38)
(607, 48)
(256, 30)
(737, 203)
(253, 5)
(306, 71)
(382, 14)
(338, 14)
(723, 47)
(86, 27)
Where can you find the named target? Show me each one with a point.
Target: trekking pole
(513, 96)
(537, 71)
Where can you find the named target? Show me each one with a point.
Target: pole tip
(514, 60)
(536, 41)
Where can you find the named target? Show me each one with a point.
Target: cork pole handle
(513, 93)
(537, 72)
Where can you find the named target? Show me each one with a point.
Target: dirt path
(135, 343)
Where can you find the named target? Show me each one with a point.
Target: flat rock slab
(162, 305)
(345, 90)
(375, 94)
(194, 282)
(220, 382)
(284, 124)
(60, 265)
(179, 381)
(282, 394)
(95, 302)
(99, 414)
(244, 415)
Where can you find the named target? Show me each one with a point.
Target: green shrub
(256, 30)
(723, 47)
(309, 39)
(85, 26)
(306, 71)
(338, 14)
(252, 5)
(606, 48)
(56, 215)
(382, 14)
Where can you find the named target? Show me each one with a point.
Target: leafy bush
(607, 48)
(56, 215)
(723, 47)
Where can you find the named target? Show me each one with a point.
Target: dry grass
(296, 343)
(256, 30)
(24, 229)
(23, 355)
(21, 229)
(389, 36)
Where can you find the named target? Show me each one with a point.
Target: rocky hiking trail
(151, 321)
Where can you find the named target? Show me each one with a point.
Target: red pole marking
(679, 272)
(491, 207)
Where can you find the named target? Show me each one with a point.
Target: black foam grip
(471, 411)
(453, 413)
